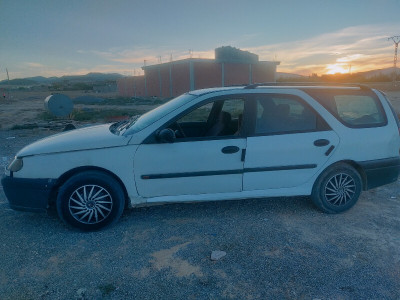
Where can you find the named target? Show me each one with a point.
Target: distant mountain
(102, 77)
(42, 80)
(282, 75)
(18, 81)
(91, 77)
(379, 72)
(366, 75)
(88, 78)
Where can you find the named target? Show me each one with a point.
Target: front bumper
(27, 194)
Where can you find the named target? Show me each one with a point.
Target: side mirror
(166, 135)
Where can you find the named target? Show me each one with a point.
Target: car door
(205, 156)
(289, 143)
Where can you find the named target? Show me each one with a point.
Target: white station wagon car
(329, 142)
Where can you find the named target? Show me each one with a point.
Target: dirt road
(278, 248)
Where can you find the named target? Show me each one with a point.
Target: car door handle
(230, 149)
(321, 143)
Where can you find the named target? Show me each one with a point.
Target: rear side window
(396, 117)
(353, 108)
(282, 114)
(358, 110)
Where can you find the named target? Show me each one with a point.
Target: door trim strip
(227, 172)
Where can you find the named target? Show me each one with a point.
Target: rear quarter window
(353, 108)
(359, 110)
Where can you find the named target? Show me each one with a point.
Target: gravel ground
(279, 248)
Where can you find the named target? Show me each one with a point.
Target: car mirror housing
(166, 135)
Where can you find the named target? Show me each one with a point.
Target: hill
(379, 72)
(283, 75)
(18, 81)
(39, 80)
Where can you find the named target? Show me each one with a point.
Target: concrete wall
(236, 74)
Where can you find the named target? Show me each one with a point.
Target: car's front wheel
(90, 201)
(337, 189)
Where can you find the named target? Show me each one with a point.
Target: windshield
(138, 123)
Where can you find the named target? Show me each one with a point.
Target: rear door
(288, 143)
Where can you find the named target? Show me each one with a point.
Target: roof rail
(308, 84)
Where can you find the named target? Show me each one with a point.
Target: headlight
(15, 165)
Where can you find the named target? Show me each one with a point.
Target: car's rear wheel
(90, 201)
(337, 189)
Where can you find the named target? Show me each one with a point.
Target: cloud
(34, 65)
(361, 47)
(138, 56)
(364, 47)
(350, 58)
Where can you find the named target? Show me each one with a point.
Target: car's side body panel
(116, 160)
(293, 157)
(193, 167)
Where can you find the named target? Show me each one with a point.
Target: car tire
(90, 201)
(337, 189)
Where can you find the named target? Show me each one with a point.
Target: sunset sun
(337, 68)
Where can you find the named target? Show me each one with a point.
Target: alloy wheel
(90, 204)
(340, 189)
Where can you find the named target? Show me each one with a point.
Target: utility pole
(8, 83)
(396, 40)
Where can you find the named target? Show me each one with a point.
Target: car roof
(213, 90)
(281, 85)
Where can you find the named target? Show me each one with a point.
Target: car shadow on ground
(244, 208)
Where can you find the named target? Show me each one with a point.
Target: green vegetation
(101, 115)
(79, 86)
(106, 289)
(25, 126)
(125, 101)
(94, 115)
(46, 116)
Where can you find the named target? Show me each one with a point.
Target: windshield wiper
(118, 127)
(114, 126)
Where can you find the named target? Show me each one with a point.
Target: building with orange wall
(231, 66)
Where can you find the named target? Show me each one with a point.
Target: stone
(81, 294)
(217, 255)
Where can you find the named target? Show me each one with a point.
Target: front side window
(200, 114)
(215, 119)
(138, 124)
(279, 114)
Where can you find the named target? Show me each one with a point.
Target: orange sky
(55, 38)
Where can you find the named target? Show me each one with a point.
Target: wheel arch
(354, 165)
(346, 181)
(67, 175)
